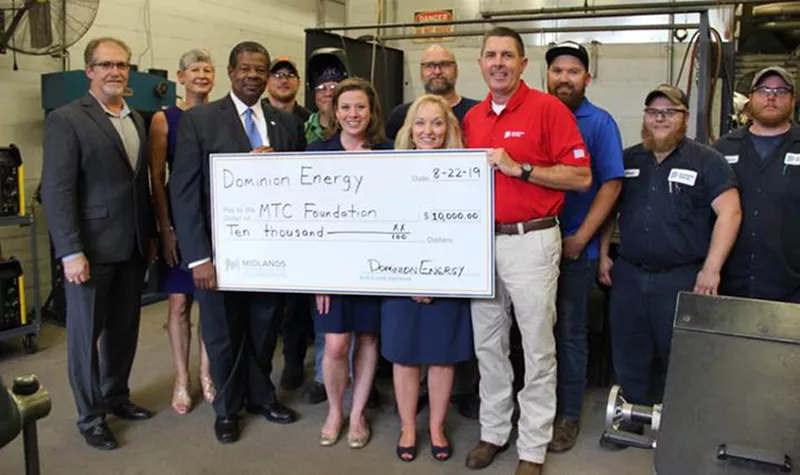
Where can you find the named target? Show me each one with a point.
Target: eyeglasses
(652, 112)
(778, 91)
(325, 87)
(282, 75)
(109, 65)
(432, 65)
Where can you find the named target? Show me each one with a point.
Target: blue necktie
(252, 130)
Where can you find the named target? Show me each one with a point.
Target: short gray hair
(197, 55)
(88, 53)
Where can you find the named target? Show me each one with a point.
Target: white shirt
(498, 108)
(258, 117)
(261, 125)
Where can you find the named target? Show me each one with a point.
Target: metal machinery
(20, 407)
(147, 93)
(731, 403)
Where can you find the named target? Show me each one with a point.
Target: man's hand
(604, 270)
(323, 304)
(76, 270)
(152, 249)
(263, 149)
(169, 247)
(707, 282)
(205, 276)
(573, 246)
(424, 300)
(499, 159)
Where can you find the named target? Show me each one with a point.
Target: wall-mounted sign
(428, 16)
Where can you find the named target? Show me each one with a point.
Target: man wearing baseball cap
(323, 81)
(583, 214)
(765, 262)
(282, 86)
(678, 218)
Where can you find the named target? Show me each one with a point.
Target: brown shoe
(529, 468)
(565, 434)
(483, 454)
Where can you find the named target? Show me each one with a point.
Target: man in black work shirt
(765, 261)
(678, 218)
(438, 70)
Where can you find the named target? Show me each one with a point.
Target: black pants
(297, 326)
(106, 310)
(240, 333)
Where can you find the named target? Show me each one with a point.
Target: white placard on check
(373, 223)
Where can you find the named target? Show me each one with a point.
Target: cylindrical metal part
(31, 446)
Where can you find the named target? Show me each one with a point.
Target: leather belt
(657, 269)
(526, 227)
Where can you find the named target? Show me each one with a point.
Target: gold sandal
(359, 442)
(181, 401)
(209, 391)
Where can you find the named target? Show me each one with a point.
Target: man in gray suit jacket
(238, 328)
(95, 190)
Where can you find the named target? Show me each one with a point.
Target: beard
(772, 119)
(442, 87)
(665, 144)
(571, 98)
(113, 89)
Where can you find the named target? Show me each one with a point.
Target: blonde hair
(192, 56)
(453, 139)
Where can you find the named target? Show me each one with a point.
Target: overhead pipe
(782, 8)
(560, 29)
(697, 5)
(480, 21)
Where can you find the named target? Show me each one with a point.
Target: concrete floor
(171, 444)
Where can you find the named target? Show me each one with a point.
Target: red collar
(513, 102)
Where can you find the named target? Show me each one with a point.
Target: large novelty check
(380, 223)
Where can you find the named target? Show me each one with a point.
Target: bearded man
(679, 215)
(765, 261)
(583, 214)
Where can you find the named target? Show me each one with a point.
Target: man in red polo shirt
(538, 154)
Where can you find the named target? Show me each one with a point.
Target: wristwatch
(527, 169)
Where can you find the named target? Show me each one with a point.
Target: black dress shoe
(227, 429)
(100, 437)
(131, 412)
(292, 377)
(274, 412)
(314, 393)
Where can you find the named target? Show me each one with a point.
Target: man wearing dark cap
(678, 218)
(282, 86)
(765, 261)
(583, 214)
(323, 81)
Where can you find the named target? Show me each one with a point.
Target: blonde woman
(421, 331)
(196, 74)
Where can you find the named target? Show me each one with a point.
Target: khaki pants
(527, 276)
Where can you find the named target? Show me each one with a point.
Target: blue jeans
(574, 284)
(642, 313)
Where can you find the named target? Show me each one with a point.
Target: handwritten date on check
(415, 223)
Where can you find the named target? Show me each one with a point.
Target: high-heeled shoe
(181, 400)
(406, 454)
(209, 391)
(441, 453)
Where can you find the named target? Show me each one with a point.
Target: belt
(526, 227)
(655, 269)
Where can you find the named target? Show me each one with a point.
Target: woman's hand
(424, 300)
(323, 304)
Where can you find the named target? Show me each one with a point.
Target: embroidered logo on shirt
(732, 158)
(578, 153)
(514, 134)
(682, 176)
(792, 159)
(631, 172)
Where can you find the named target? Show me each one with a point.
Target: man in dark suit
(238, 327)
(95, 188)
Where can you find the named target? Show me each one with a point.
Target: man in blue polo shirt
(581, 218)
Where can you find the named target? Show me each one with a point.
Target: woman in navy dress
(421, 330)
(350, 320)
(196, 74)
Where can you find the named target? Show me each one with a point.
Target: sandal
(209, 391)
(360, 441)
(441, 453)
(406, 454)
(181, 401)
